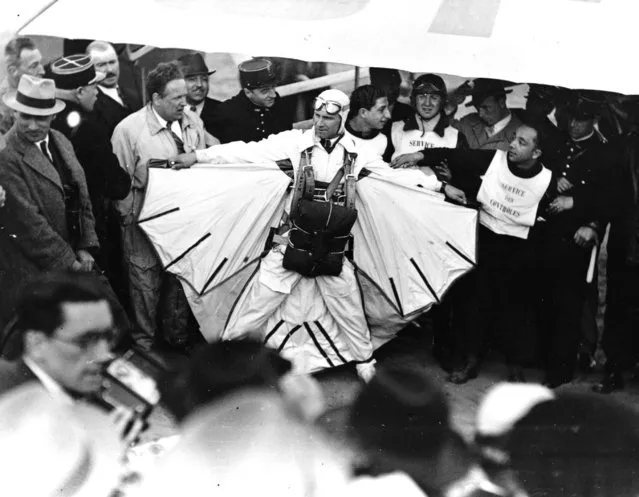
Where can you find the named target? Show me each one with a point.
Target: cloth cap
(50, 448)
(34, 96)
(256, 73)
(341, 98)
(429, 83)
(193, 65)
(484, 88)
(74, 71)
(507, 403)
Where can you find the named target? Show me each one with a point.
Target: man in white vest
(428, 127)
(512, 191)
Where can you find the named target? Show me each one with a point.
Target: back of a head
(400, 412)
(577, 445)
(248, 444)
(220, 368)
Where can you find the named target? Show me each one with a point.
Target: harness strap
(305, 181)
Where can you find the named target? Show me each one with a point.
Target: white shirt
(112, 93)
(499, 125)
(175, 125)
(50, 385)
(46, 142)
(198, 108)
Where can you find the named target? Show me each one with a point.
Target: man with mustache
(196, 75)
(256, 111)
(114, 103)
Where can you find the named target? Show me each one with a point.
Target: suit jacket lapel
(34, 158)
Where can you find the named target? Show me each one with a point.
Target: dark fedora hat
(74, 71)
(484, 88)
(193, 65)
(256, 73)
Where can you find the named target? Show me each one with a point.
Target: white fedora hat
(50, 448)
(35, 96)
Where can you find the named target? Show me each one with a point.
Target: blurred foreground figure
(248, 444)
(51, 449)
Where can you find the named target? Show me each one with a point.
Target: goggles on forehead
(330, 106)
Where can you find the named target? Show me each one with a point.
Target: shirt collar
(112, 93)
(198, 108)
(584, 138)
(50, 385)
(500, 125)
(358, 134)
(163, 122)
(436, 124)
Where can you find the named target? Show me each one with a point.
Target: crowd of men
(548, 181)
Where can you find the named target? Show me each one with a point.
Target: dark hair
(40, 303)
(364, 97)
(577, 445)
(537, 125)
(14, 48)
(162, 75)
(220, 368)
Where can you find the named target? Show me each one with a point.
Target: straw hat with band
(34, 96)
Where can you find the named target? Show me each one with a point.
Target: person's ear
(536, 153)
(34, 342)
(362, 112)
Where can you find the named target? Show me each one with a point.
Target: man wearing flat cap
(196, 75)
(76, 80)
(256, 111)
(493, 126)
(47, 223)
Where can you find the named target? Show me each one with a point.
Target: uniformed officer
(256, 111)
(76, 79)
(575, 224)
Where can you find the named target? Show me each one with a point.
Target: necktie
(178, 141)
(326, 143)
(490, 130)
(193, 108)
(45, 150)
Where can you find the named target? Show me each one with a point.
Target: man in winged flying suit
(310, 271)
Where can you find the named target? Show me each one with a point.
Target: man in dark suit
(256, 112)
(76, 80)
(114, 103)
(196, 75)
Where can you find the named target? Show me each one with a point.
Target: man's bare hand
(563, 185)
(407, 160)
(183, 161)
(127, 424)
(455, 194)
(3, 196)
(443, 172)
(560, 204)
(586, 237)
(86, 260)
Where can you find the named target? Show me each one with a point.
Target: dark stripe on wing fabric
(330, 341)
(288, 335)
(181, 256)
(399, 304)
(217, 270)
(272, 332)
(423, 276)
(155, 216)
(461, 254)
(319, 347)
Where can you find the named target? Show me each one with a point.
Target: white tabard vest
(415, 140)
(509, 203)
(374, 147)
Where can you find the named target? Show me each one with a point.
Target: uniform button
(257, 128)
(567, 166)
(583, 182)
(564, 173)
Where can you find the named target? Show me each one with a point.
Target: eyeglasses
(90, 340)
(330, 106)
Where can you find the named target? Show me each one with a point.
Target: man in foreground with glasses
(67, 329)
(307, 282)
